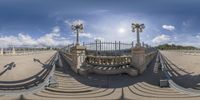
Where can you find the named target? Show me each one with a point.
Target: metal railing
(67, 48)
(108, 46)
(34, 87)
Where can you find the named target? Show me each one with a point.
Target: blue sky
(47, 22)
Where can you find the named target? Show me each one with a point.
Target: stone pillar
(1, 53)
(13, 51)
(138, 59)
(138, 44)
(78, 57)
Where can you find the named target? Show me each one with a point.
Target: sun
(121, 30)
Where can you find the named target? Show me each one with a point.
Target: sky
(48, 22)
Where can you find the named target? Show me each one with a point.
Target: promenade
(104, 87)
(184, 68)
(18, 67)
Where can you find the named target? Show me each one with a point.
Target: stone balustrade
(108, 60)
(82, 60)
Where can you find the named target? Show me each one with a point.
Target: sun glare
(121, 30)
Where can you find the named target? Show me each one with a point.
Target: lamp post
(77, 27)
(138, 28)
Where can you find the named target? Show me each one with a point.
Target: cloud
(84, 35)
(56, 29)
(161, 39)
(99, 38)
(198, 36)
(50, 39)
(168, 27)
(25, 39)
(74, 22)
(87, 35)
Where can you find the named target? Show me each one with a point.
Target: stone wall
(136, 61)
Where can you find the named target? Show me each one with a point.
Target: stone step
(86, 96)
(143, 92)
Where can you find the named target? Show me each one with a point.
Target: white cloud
(87, 35)
(161, 39)
(50, 39)
(56, 29)
(74, 22)
(168, 27)
(25, 39)
(198, 36)
(99, 38)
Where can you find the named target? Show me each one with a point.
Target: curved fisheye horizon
(51, 22)
(99, 49)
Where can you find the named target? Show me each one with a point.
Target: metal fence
(108, 46)
(67, 48)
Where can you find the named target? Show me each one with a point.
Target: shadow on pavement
(182, 77)
(8, 67)
(111, 81)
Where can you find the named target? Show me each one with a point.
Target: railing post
(100, 45)
(13, 50)
(78, 57)
(119, 45)
(132, 44)
(138, 59)
(83, 43)
(96, 47)
(115, 45)
(142, 44)
(1, 53)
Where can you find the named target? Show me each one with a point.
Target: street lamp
(138, 28)
(77, 27)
